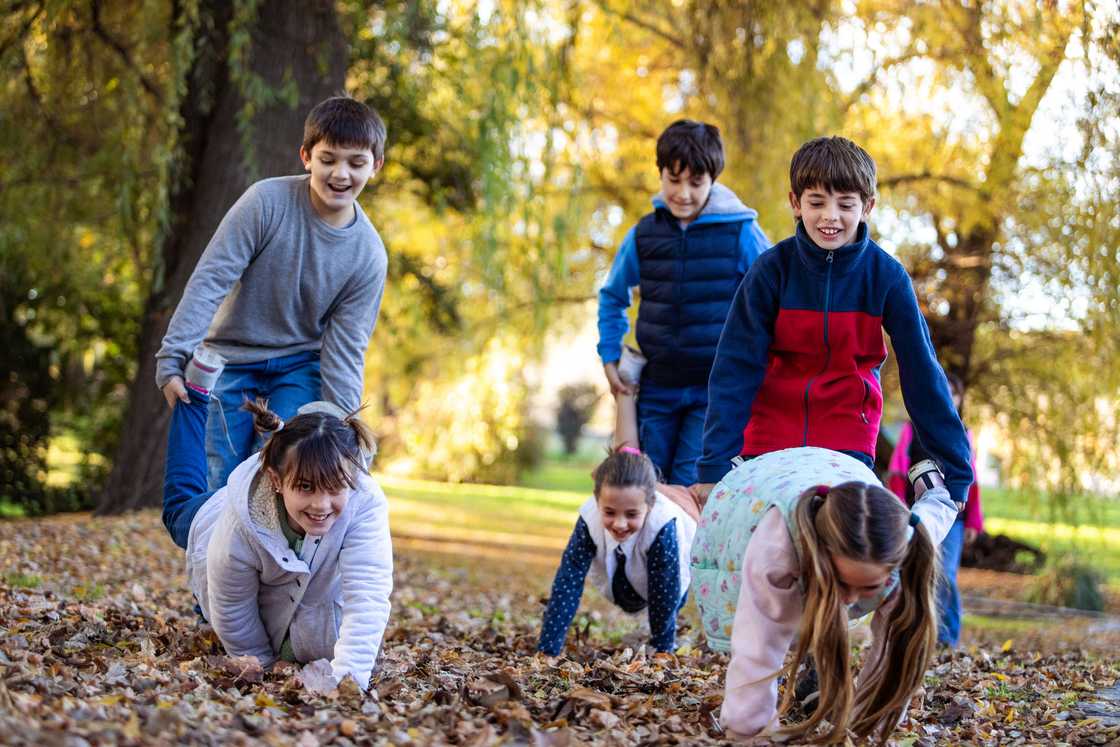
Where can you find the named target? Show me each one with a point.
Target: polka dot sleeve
(665, 590)
(567, 588)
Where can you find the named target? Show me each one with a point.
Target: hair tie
(821, 491)
(914, 519)
(629, 450)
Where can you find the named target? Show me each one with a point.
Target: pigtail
(910, 635)
(264, 420)
(363, 437)
(824, 631)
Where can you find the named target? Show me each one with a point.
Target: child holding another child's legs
(292, 558)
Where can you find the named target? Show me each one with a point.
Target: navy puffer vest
(688, 278)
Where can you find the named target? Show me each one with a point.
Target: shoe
(630, 365)
(203, 369)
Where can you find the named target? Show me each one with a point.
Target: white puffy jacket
(333, 598)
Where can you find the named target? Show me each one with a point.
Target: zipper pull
(829, 257)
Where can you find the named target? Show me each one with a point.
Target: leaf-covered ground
(99, 645)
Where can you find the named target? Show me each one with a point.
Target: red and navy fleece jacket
(798, 361)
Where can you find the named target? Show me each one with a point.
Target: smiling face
(685, 193)
(338, 175)
(623, 510)
(859, 579)
(310, 511)
(831, 218)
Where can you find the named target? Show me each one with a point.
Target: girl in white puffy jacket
(292, 558)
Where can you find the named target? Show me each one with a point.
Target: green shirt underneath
(295, 541)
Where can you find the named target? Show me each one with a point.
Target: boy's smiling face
(831, 218)
(338, 175)
(685, 193)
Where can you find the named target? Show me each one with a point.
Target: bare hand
(970, 536)
(618, 386)
(174, 391)
(700, 492)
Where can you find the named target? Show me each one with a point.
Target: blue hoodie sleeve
(752, 242)
(925, 389)
(567, 588)
(614, 299)
(738, 370)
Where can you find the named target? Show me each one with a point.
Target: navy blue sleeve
(663, 562)
(567, 588)
(925, 390)
(739, 368)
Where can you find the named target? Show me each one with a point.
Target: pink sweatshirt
(766, 620)
(900, 465)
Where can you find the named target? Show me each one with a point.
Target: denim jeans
(287, 382)
(184, 477)
(948, 593)
(671, 429)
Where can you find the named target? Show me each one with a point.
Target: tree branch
(122, 51)
(927, 176)
(642, 24)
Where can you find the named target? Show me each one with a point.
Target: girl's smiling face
(623, 510)
(310, 511)
(831, 218)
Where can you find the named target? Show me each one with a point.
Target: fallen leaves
(132, 664)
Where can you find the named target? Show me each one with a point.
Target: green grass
(1082, 510)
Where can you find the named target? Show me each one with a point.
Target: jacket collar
(844, 258)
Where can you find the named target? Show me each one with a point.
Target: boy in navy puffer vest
(799, 358)
(687, 257)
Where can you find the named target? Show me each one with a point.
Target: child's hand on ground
(618, 386)
(700, 492)
(970, 536)
(174, 391)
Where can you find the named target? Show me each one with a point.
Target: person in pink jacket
(781, 563)
(963, 533)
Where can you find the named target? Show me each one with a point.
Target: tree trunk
(296, 40)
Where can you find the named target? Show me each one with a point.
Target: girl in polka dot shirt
(635, 542)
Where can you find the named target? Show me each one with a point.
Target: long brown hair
(315, 448)
(865, 523)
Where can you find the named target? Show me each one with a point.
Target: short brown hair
(343, 121)
(835, 164)
(689, 144)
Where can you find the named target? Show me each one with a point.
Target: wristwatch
(928, 474)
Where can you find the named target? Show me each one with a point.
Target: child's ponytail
(908, 641)
(264, 419)
(823, 628)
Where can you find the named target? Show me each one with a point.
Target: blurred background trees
(520, 149)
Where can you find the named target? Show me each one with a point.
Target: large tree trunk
(296, 40)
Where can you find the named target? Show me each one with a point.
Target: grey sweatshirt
(276, 279)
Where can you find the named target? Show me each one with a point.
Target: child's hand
(618, 386)
(700, 492)
(970, 536)
(174, 391)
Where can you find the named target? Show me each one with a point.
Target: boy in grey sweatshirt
(288, 289)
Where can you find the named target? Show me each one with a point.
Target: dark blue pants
(671, 429)
(184, 477)
(287, 382)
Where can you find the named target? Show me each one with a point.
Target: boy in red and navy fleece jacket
(798, 361)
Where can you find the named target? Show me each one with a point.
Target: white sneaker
(203, 369)
(630, 365)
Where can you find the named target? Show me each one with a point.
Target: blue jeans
(287, 382)
(948, 593)
(671, 428)
(184, 477)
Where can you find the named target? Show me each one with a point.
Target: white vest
(636, 547)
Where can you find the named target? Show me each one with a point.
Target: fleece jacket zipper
(827, 347)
